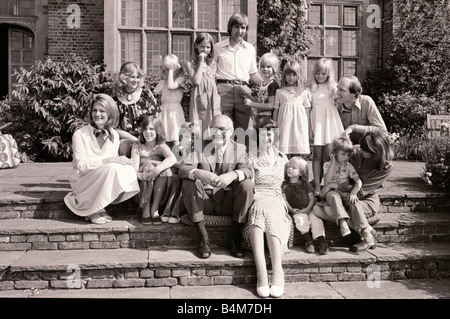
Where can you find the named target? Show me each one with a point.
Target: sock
(202, 230)
(307, 237)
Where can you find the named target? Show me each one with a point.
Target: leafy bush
(50, 102)
(406, 113)
(282, 28)
(436, 155)
(409, 147)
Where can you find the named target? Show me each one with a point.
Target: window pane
(349, 68)
(332, 15)
(15, 56)
(207, 14)
(157, 13)
(7, 7)
(156, 50)
(350, 16)
(315, 14)
(16, 39)
(229, 7)
(310, 66)
(316, 36)
(131, 13)
(336, 68)
(27, 57)
(27, 41)
(182, 14)
(26, 7)
(130, 47)
(332, 42)
(181, 47)
(349, 43)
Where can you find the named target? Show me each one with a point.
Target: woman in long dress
(269, 214)
(101, 177)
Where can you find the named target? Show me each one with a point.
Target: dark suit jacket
(235, 157)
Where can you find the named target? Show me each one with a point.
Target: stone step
(50, 205)
(49, 234)
(127, 268)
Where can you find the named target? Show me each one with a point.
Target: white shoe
(276, 291)
(263, 291)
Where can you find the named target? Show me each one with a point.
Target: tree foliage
(282, 28)
(420, 56)
(415, 78)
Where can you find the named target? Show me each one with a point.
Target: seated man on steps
(219, 183)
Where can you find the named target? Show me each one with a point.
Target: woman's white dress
(326, 124)
(96, 185)
(275, 221)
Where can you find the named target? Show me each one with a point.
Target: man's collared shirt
(363, 113)
(235, 64)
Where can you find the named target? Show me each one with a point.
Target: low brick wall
(208, 275)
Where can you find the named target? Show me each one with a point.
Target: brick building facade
(65, 36)
(354, 33)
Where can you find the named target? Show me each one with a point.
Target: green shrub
(406, 113)
(50, 102)
(436, 155)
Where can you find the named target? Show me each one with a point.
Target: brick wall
(388, 11)
(85, 41)
(370, 57)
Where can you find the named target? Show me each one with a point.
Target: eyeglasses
(222, 130)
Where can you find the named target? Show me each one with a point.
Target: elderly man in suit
(219, 182)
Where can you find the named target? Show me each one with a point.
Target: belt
(234, 82)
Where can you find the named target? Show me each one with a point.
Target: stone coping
(183, 258)
(18, 226)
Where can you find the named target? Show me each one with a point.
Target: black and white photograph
(224, 157)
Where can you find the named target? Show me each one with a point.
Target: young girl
(291, 111)
(201, 70)
(269, 66)
(134, 101)
(339, 171)
(171, 89)
(325, 121)
(187, 150)
(152, 159)
(299, 197)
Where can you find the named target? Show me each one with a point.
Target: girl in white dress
(101, 177)
(171, 89)
(326, 124)
(291, 111)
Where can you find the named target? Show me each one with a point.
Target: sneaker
(164, 218)
(310, 247)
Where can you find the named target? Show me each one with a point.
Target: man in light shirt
(236, 65)
(358, 112)
(219, 182)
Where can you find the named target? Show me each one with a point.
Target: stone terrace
(40, 239)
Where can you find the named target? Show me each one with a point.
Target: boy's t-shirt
(297, 193)
(266, 90)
